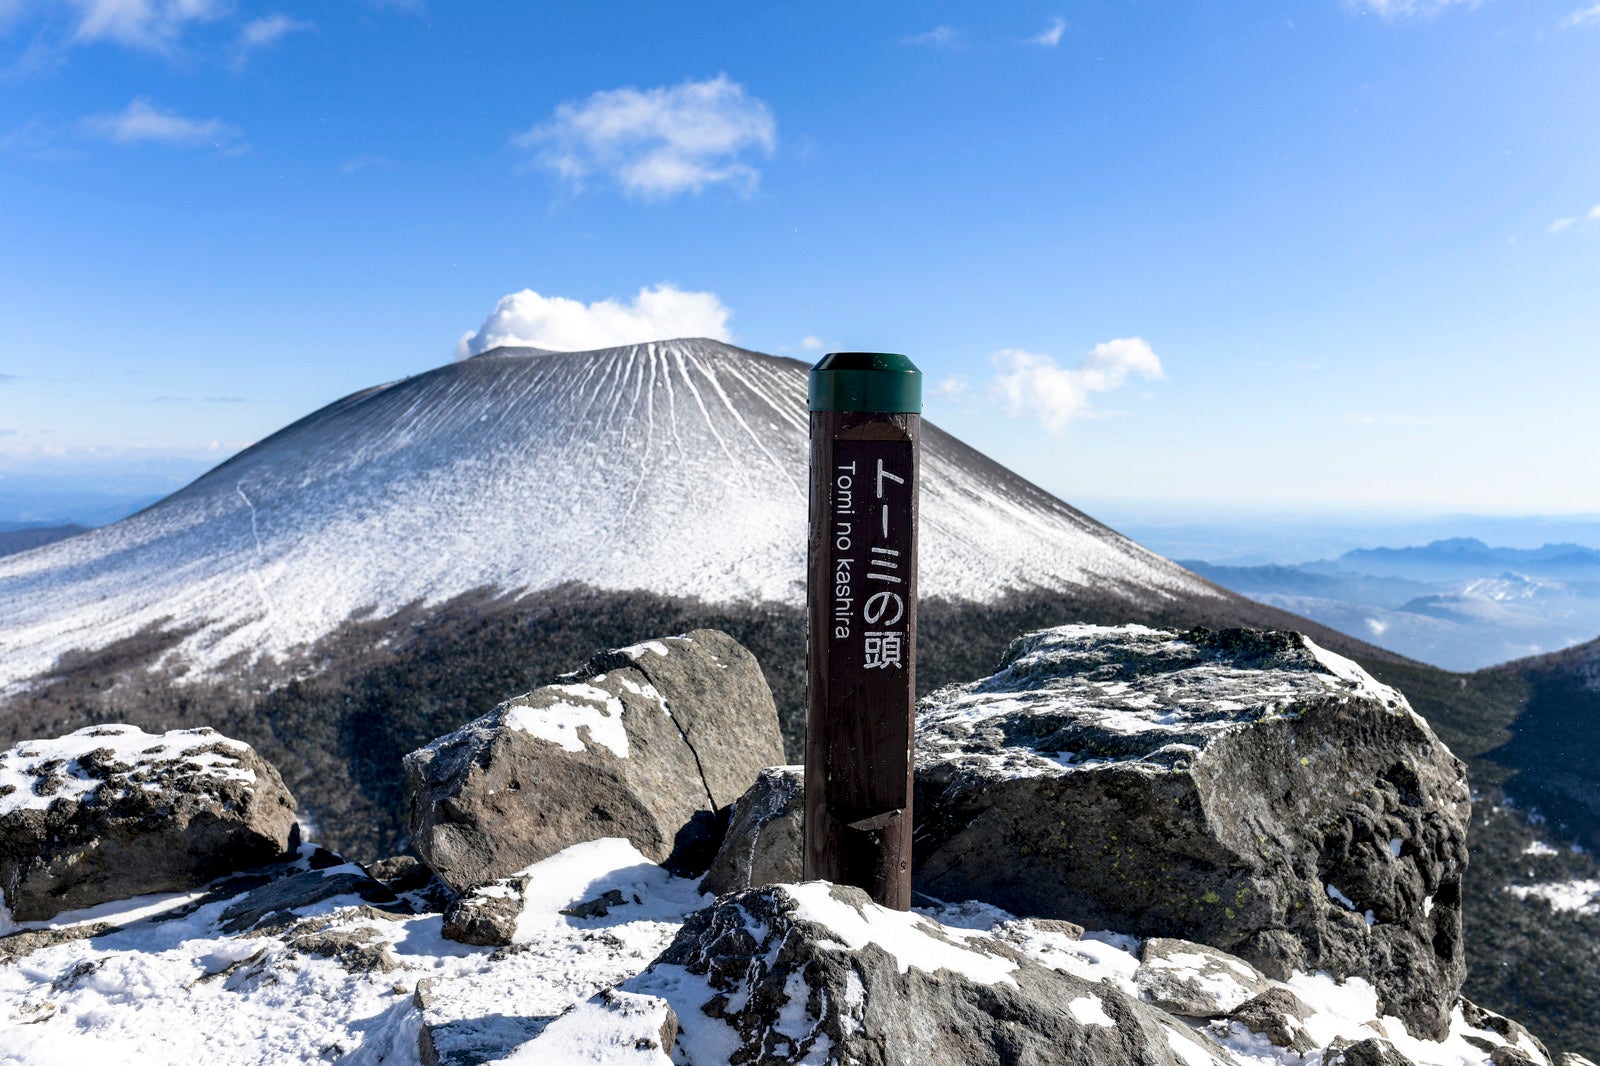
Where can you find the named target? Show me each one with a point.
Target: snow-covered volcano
(677, 467)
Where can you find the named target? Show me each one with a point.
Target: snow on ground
(1178, 701)
(180, 990)
(677, 467)
(1582, 896)
(168, 986)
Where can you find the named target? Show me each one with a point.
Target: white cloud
(656, 143)
(1584, 16)
(141, 122)
(1562, 224)
(1404, 9)
(367, 162)
(812, 344)
(661, 312)
(269, 30)
(954, 387)
(1036, 386)
(149, 24)
(938, 37)
(1051, 35)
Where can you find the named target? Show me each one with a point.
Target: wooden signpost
(866, 413)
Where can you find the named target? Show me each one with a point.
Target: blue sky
(1306, 254)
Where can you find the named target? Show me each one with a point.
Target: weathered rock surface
(764, 842)
(110, 812)
(1195, 980)
(1373, 1051)
(486, 915)
(1243, 789)
(635, 745)
(277, 905)
(1509, 1043)
(819, 973)
(1280, 1016)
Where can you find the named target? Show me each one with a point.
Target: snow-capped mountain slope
(677, 467)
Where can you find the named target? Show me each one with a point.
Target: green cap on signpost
(866, 381)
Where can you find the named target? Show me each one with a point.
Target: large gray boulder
(819, 973)
(111, 811)
(646, 743)
(1243, 789)
(764, 843)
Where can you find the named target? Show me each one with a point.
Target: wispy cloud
(661, 312)
(657, 143)
(366, 162)
(141, 122)
(152, 25)
(9, 379)
(938, 37)
(1036, 386)
(812, 344)
(1051, 35)
(1584, 16)
(1406, 9)
(269, 30)
(1561, 225)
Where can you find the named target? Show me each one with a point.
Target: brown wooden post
(862, 624)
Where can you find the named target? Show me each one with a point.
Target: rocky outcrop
(487, 914)
(816, 972)
(1243, 789)
(1195, 980)
(644, 743)
(1372, 1051)
(764, 841)
(1508, 1042)
(1280, 1016)
(111, 811)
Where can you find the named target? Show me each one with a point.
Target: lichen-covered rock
(764, 842)
(635, 745)
(819, 973)
(110, 811)
(1243, 789)
(1195, 980)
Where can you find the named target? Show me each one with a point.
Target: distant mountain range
(1466, 557)
(1459, 603)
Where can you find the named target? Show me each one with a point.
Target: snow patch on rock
(36, 773)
